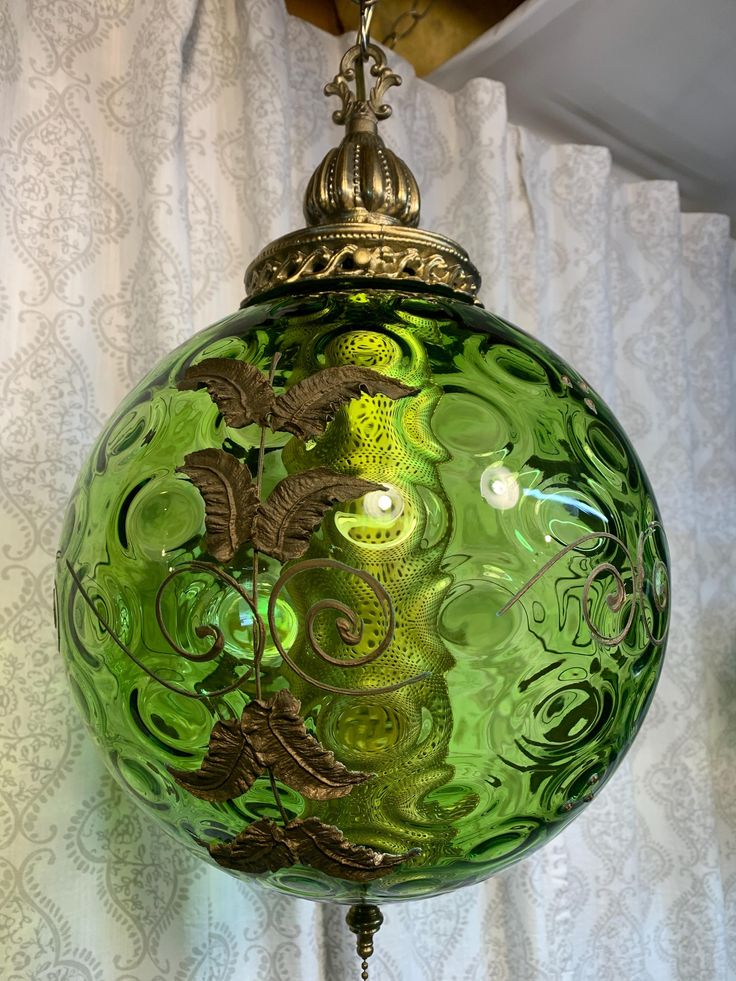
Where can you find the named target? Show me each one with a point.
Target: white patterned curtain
(147, 151)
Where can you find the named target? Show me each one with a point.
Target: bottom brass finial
(364, 921)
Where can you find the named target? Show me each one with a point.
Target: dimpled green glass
(504, 470)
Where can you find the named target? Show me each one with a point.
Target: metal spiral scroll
(205, 630)
(348, 624)
(616, 599)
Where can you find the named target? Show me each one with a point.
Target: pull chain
(364, 921)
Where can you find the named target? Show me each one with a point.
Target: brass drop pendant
(364, 921)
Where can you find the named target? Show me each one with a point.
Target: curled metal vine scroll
(348, 625)
(202, 631)
(619, 597)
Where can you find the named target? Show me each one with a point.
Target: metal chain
(406, 22)
(401, 27)
(364, 26)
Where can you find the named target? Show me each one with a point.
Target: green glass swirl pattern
(512, 558)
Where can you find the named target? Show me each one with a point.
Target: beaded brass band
(373, 250)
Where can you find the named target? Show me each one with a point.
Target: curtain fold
(147, 152)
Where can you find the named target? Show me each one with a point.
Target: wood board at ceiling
(448, 27)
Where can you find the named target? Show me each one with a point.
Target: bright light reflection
(385, 505)
(379, 521)
(384, 502)
(499, 487)
(570, 502)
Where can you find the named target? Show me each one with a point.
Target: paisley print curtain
(147, 151)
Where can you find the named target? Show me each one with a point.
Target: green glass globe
(363, 592)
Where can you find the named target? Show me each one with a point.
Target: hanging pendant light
(363, 592)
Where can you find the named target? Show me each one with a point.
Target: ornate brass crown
(362, 204)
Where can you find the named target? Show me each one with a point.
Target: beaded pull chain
(364, 921)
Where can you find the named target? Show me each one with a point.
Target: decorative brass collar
(362, 204)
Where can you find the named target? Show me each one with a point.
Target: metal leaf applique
(230, 499)
(307, 408)
(262, 847)
(283, 525)
(241, 391)
(229, 769)
(277, 733)
(265, 847)
(324, 847)
(269, 734)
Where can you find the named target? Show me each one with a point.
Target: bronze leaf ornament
(244, 395)
(229, 769)
(307, 407)
(265, 847)
(260, 847)
(230, 499)
(284, 524)
(240, 391)
(270, 737)
(277, 732)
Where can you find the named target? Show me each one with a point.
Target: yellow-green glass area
(512, 536)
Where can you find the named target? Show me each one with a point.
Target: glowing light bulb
(384, 505)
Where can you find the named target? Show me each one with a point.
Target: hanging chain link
(401, 27)
(364, 25)
(406, 22)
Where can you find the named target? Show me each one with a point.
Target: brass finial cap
(362, 180)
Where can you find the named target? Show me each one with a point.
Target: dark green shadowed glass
(505, 576)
